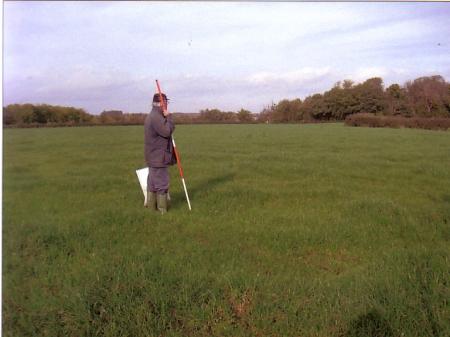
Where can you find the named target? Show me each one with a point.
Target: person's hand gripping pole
(177, 156)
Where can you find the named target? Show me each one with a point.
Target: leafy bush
(371, 120)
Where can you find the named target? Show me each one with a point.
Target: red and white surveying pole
(177, 156)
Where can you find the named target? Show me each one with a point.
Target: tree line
(51, 115)
(29, 115)
(423, 97)
(23, 114)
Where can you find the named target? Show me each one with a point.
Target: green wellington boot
(161, 201)
(151, 201)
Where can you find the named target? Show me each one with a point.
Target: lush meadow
(296, 230)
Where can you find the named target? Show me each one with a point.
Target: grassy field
(296, 230)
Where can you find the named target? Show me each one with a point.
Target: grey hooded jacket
(158, 139)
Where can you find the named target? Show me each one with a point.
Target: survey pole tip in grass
(177, 156)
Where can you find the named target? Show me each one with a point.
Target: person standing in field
(159, 154)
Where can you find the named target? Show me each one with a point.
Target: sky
(226, 55)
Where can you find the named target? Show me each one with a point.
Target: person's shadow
(179, 198)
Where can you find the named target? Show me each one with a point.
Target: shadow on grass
(370, 324)
(179, 199)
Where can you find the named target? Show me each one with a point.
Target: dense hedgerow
(371, 120)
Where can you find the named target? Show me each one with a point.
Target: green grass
(296, 230)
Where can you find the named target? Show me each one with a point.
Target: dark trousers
(158, 179)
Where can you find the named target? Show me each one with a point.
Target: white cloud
(81, 77)
(364, 73)
(299, 76)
